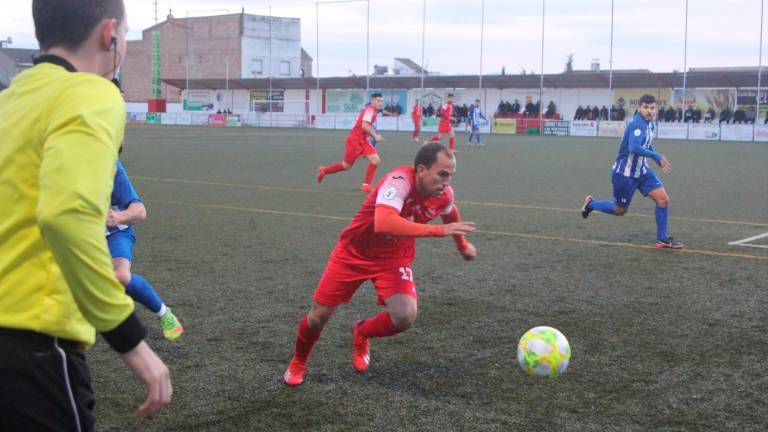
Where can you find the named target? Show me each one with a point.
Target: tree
(569, 63)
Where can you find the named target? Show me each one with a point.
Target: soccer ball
(543, 351)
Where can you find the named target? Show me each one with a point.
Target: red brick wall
(211, 40)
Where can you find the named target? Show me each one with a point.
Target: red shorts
(444, 128)
(355, 148)
(341, 279)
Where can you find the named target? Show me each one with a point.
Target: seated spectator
(620, 114)
(688, 116)
(725, 115)
(579, 112)
(697, 115)
(529, 109)
(750, 115)
(709, 117)
(551, 109)
(739, 116)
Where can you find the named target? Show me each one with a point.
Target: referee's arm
(76, 176)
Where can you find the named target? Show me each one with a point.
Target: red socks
(451, 141)
(370, 173)
(378, 326)
(333, 169)
(305, 340)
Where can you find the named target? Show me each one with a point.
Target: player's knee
(123, 275)
(403, 318)
(620, 211)
(318, 318)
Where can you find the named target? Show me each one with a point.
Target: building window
(285, 68)
(257, 67)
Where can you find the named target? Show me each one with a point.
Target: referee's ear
(108, 30)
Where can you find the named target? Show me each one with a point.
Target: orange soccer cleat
(361, 356)
(295, 373)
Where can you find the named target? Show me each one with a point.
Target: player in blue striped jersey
(631, 172)
(475, 116)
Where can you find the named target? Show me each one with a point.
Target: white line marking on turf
(745, 242)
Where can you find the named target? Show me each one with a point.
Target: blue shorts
(624, 187)
(121, 245)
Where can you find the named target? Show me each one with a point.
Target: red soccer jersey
(368, 115)
(359, 244)
(445, 114)
(416, 113)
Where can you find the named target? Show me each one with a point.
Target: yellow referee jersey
(59, 135)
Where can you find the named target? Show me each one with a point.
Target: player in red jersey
(416, 116)
(446, 112)
(379, 245)
(357, 145)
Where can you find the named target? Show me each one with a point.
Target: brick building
(234, 46)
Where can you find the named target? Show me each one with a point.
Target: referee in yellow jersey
(61, 123)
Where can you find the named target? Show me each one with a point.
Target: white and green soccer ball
(543, 351)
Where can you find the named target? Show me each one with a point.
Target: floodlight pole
(317, 61)
(368, 48)
(423, 37)
(759, 72)
(685, 59)
(610, 62)
(482, 30)
(541, 82)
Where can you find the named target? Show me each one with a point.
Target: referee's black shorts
(45, 384)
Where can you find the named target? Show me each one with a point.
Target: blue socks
(141, 291)
(605, 206)
(662, 215)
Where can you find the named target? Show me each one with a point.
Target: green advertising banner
(156, 92)
(198, 100)
(344, 101)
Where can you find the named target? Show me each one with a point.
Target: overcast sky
(648, 34)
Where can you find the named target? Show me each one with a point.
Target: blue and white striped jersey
(636, 148)
(475, 115)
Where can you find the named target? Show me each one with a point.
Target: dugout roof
(634, 79)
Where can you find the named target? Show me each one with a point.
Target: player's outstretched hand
(112, 218)
(665, 165)
(459, 228)
(469, 253)
(155, 375)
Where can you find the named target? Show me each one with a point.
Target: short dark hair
(427, 154)
(375, 95)
(646, 99)
(68, 23)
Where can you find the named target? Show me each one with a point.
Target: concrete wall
(285, 43)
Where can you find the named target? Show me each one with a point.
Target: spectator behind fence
(709, 117)
(551, 109)
(750, 115)
(604, 113)
(688, 116)
(739, 116)
(725, 115)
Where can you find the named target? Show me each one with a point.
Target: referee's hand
(155, 375)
